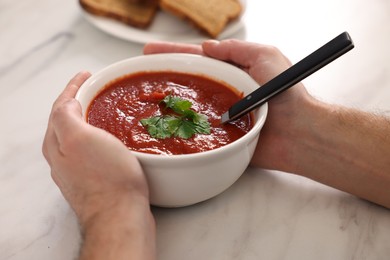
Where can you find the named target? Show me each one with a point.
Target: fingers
(51, 143)
(65, 125)
(168, 47)
(68, 124)
(262, 62)
(229, 50)
(60, 111)
(232, 50)
(243, 53)
(72, 87)
(75, 83)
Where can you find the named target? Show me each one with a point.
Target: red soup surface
(120, 106)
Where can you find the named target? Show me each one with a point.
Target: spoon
(304, 68)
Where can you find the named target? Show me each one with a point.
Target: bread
(210, 16)
(135, 14)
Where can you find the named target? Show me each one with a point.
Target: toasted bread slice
(211, 16)
(135, 14)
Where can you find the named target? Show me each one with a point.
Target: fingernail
(212, 42)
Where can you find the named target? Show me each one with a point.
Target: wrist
(110, 206)
(306, 138)
(125, 228)
(286, 127)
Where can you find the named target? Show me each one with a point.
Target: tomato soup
(120, 106)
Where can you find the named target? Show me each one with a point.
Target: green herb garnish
(184, 123)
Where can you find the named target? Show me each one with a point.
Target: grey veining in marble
(265, 214)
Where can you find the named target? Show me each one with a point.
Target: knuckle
(58, 112)
(269, 51)
(72, 141)
(71, 135)
(44, 150)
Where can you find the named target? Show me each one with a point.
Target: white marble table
(265, 215)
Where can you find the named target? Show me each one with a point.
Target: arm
(102, 182)
(125, 231)
(337, 146)
(341, 147)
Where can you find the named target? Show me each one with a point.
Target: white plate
(165, 27)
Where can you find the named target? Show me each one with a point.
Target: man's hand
(102, 181)
(261, 62)
(340, 147)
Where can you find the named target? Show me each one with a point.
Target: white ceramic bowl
(181, 180)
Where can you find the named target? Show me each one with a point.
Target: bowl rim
(262, 111)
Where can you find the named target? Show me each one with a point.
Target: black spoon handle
(315, 61)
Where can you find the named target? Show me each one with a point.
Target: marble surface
(265, 214)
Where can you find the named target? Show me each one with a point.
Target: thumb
(67, 120)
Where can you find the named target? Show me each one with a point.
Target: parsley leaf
(177, 104)
(185, 130)
(157, 127)
(184, 124)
